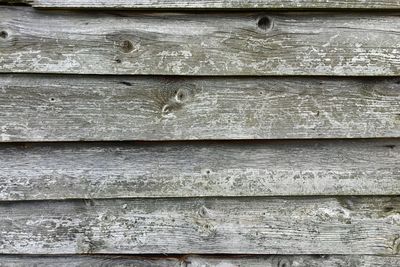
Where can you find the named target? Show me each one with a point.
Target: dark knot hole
(3, 34)
(264, 23)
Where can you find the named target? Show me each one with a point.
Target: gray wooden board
(105, 261)
(294, 261)
(318, 225)
(203, 261)
(213, 4)
(72, 108)
(126, 170)
(122, 42)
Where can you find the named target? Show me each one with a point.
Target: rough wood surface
(293, 261)
(121, 42)
(202, 261)
(119, 261)
(356, 225)
(71, 108)
(62, 171)
(213, 4)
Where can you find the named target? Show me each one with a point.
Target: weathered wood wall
(143, 132)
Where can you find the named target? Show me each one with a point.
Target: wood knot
(281, 262)
(175, 101)
(126, 46)
(3, 34)
(203, 211)
(264, 23)
(284, 263)
(181, 95)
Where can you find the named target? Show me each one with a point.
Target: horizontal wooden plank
(213, 4)
(88, 261)
(357, 225)
(122, 42)
(95, 170)
(72, 108)
(202, 261)
(294, 261)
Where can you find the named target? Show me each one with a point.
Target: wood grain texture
(212, 4)
(293, 261)
(73, 108)
(95, 170)
(357, 225)
(203, 261)
(91, 261)
(122, 42)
